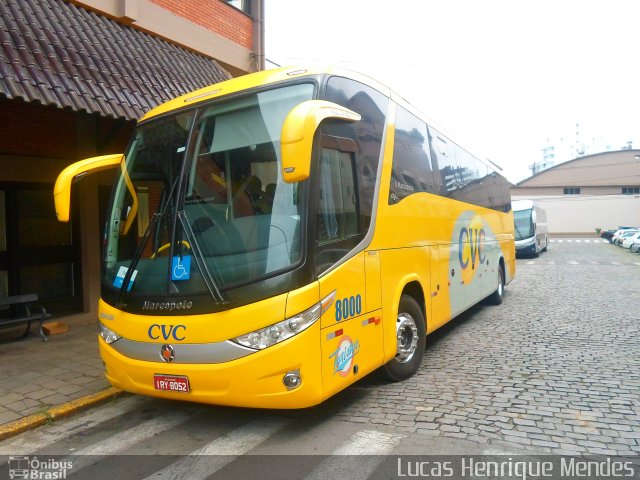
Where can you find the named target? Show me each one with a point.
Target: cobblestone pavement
(37, 375)
(555, 368)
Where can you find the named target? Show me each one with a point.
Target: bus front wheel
(410, 335)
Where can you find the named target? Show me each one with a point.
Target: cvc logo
(166, 331)
(471, 242)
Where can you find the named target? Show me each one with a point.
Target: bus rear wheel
(496, 297)
(410, 335)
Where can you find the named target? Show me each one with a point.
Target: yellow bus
(273, 238)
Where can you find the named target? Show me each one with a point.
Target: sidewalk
(37, 376)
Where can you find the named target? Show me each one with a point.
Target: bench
(23, 309)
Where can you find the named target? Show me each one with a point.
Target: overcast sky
(501, 75)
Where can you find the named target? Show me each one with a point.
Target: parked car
(625, 234)
(607, 234)
(619, 232)
(629, 240)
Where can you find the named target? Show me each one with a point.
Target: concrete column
(88, 215)
(90, 242)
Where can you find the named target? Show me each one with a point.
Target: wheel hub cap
(407, 335)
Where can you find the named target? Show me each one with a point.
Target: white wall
(584, 213)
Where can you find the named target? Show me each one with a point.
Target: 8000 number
(348, 307)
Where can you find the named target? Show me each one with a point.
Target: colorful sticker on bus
(471, 243)
(343, 355)
(471, 234)
(181, 268)
(122, 273)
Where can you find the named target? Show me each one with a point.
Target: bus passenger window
(337, 212)
(411, 172)
(365, 134)
(338, 224)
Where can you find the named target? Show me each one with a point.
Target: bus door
(352, 327)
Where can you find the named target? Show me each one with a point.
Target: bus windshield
(523, 224)
(200, 204)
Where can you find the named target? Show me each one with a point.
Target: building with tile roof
(594, 191)
(74, 78)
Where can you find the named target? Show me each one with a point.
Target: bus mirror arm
(62, 188)
(297, 134)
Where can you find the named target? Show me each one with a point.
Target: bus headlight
(278, 332)
(108, 335)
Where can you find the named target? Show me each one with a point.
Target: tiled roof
(56, 53)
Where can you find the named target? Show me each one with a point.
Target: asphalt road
(554, 370)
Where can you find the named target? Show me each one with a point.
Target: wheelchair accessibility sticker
(181, 268)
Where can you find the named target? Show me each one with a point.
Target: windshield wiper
(207, 276)
(141, 245)
(138, 254)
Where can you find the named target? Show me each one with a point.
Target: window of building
(242, 5)
(30, 262)
(572, 191)
(630, 190)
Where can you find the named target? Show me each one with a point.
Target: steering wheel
(167, 245)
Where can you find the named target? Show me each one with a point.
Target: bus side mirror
(62, 188)
(298, 131)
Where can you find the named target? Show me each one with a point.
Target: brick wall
(215, 15)
(113, 135)
(32, 130)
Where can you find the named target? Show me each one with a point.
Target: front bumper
(526, 249)
(252, 381)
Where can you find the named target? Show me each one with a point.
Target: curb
(59, 411)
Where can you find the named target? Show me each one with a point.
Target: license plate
(171, 383)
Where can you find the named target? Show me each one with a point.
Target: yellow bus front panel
(255, 380)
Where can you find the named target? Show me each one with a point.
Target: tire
(411, 333)
(496, 297)
(546, 244)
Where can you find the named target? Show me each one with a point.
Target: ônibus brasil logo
(343, 356)
(27, 467)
